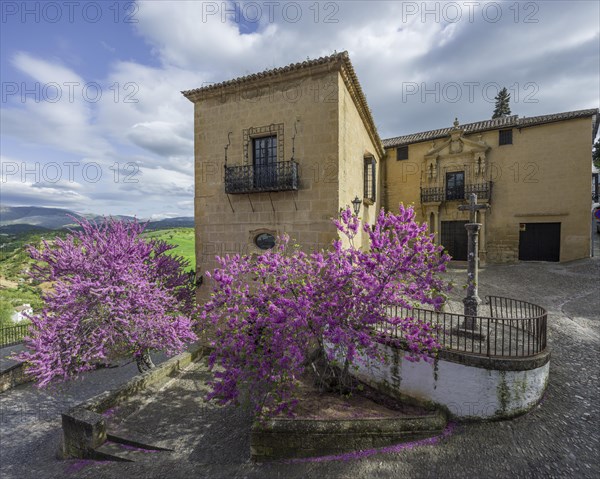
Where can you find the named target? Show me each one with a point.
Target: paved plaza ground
(558, 438)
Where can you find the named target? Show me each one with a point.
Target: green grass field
(15, 287)
(183, 238)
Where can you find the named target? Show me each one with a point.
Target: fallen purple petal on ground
(77, 466)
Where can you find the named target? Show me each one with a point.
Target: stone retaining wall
(13, 376)
(297, 438)
(466, 386)
(84, 427)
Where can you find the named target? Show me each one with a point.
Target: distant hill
(25, 219)
(49, 218)
(19, 229)
(179, 222)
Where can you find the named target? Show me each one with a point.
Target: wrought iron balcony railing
(439, 194)
(455, 193)
(482, 190)
(432, 195)
(280, 176)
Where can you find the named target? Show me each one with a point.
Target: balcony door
(455, 185)
(265, 161)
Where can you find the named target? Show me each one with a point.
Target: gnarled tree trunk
(328, 375)
(144, 361)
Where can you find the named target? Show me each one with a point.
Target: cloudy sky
(92, 118)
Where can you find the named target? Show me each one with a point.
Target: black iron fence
(439, 194)
(12, 335)
(279, 176)
(513, 329)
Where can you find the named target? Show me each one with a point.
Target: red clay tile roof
(512, 121)
(497, 123)
(274, 72)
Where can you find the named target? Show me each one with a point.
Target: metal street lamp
(356, 202)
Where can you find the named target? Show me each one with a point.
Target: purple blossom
(114, 294)
(271, 311)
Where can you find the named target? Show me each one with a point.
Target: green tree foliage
(6, 311)
(22, 294)
(596, 153)
(502, 107)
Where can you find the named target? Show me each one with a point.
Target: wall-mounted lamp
(356, 202)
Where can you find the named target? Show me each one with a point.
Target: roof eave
(337, 62)
(577, 114)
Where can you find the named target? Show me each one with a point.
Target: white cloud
(44, 71)
(16, 192)
(107, 47)
(160, 137)
(392, 50)
(185, 205)
(200, 38)
(143, 120)
(65, 121)
(162, 216)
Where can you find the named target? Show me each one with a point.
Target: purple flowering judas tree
(114, 294)
(275, 315)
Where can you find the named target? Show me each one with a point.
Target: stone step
(117, 448)
(291, 438)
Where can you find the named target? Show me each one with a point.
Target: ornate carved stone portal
(454, 153)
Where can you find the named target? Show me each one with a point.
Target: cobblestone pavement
(558, 438)
(30, 419)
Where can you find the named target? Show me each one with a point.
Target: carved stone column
(472, 301)
(482, 235)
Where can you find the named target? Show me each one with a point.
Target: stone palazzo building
(282, 151)
(534, 173)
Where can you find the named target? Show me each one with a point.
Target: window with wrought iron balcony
(265, 174)
(456, 189)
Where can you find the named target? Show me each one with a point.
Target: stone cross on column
(472, 300)
(473, 208)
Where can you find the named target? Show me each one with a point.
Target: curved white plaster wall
(468, 392)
